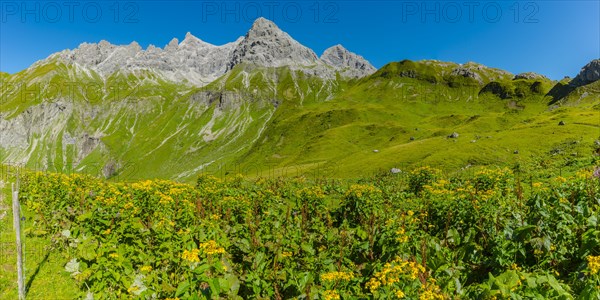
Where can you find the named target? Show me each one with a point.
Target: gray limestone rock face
(267, 45)
(529, 75)
(588, 74)
(467, 72)
(350, 64)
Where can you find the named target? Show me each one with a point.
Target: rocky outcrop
(588, 74)
(42, 130)
(348, 63)
(529, 76)
(468, 73)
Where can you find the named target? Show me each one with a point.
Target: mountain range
(198, 63)
(265, 105)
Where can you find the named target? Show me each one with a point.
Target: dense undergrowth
(416, 235)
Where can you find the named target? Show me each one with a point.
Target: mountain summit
(267, 45)
(352, 65)
(198, 63)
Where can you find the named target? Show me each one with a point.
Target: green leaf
(308, 248)
(182, 288)
(215, 287)
(85, 217)
(592, 221)
(200, 269)
(523, 233)
(453, 236)
(556, 285)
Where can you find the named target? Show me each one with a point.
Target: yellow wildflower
(165, 199)
(335, 276)
(331, 295)
(113, 255)
(594, 264)
(211, 247)
(560, 179)
(402, 238)
(286, 254)
(191, 256)
(373, 284)
(358, 190)
(146, 268)
(181, 231)
(392, 272)
(431, 292)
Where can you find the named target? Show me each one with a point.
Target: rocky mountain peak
(262, 24)
(267, 45)
(191, 41)
(588, 74)
(351, 64)
(103, 44)
(172, 45)
(134, 46)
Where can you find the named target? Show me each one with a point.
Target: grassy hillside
(278, 121)
(408, 120)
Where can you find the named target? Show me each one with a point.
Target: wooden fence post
(17, 226)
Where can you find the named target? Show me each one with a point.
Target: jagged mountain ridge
(199, 63)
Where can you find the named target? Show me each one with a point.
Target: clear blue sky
(554, 38)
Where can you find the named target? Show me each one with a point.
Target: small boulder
(561, 123)
(454, 135)
(516, 152)
(412, 138)
(375, 151)
(395, 171)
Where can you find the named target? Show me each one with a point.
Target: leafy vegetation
(486, 233)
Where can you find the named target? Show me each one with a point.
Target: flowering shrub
(431, 237)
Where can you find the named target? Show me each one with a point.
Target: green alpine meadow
(260, 170)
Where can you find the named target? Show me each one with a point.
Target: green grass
(45, 277)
